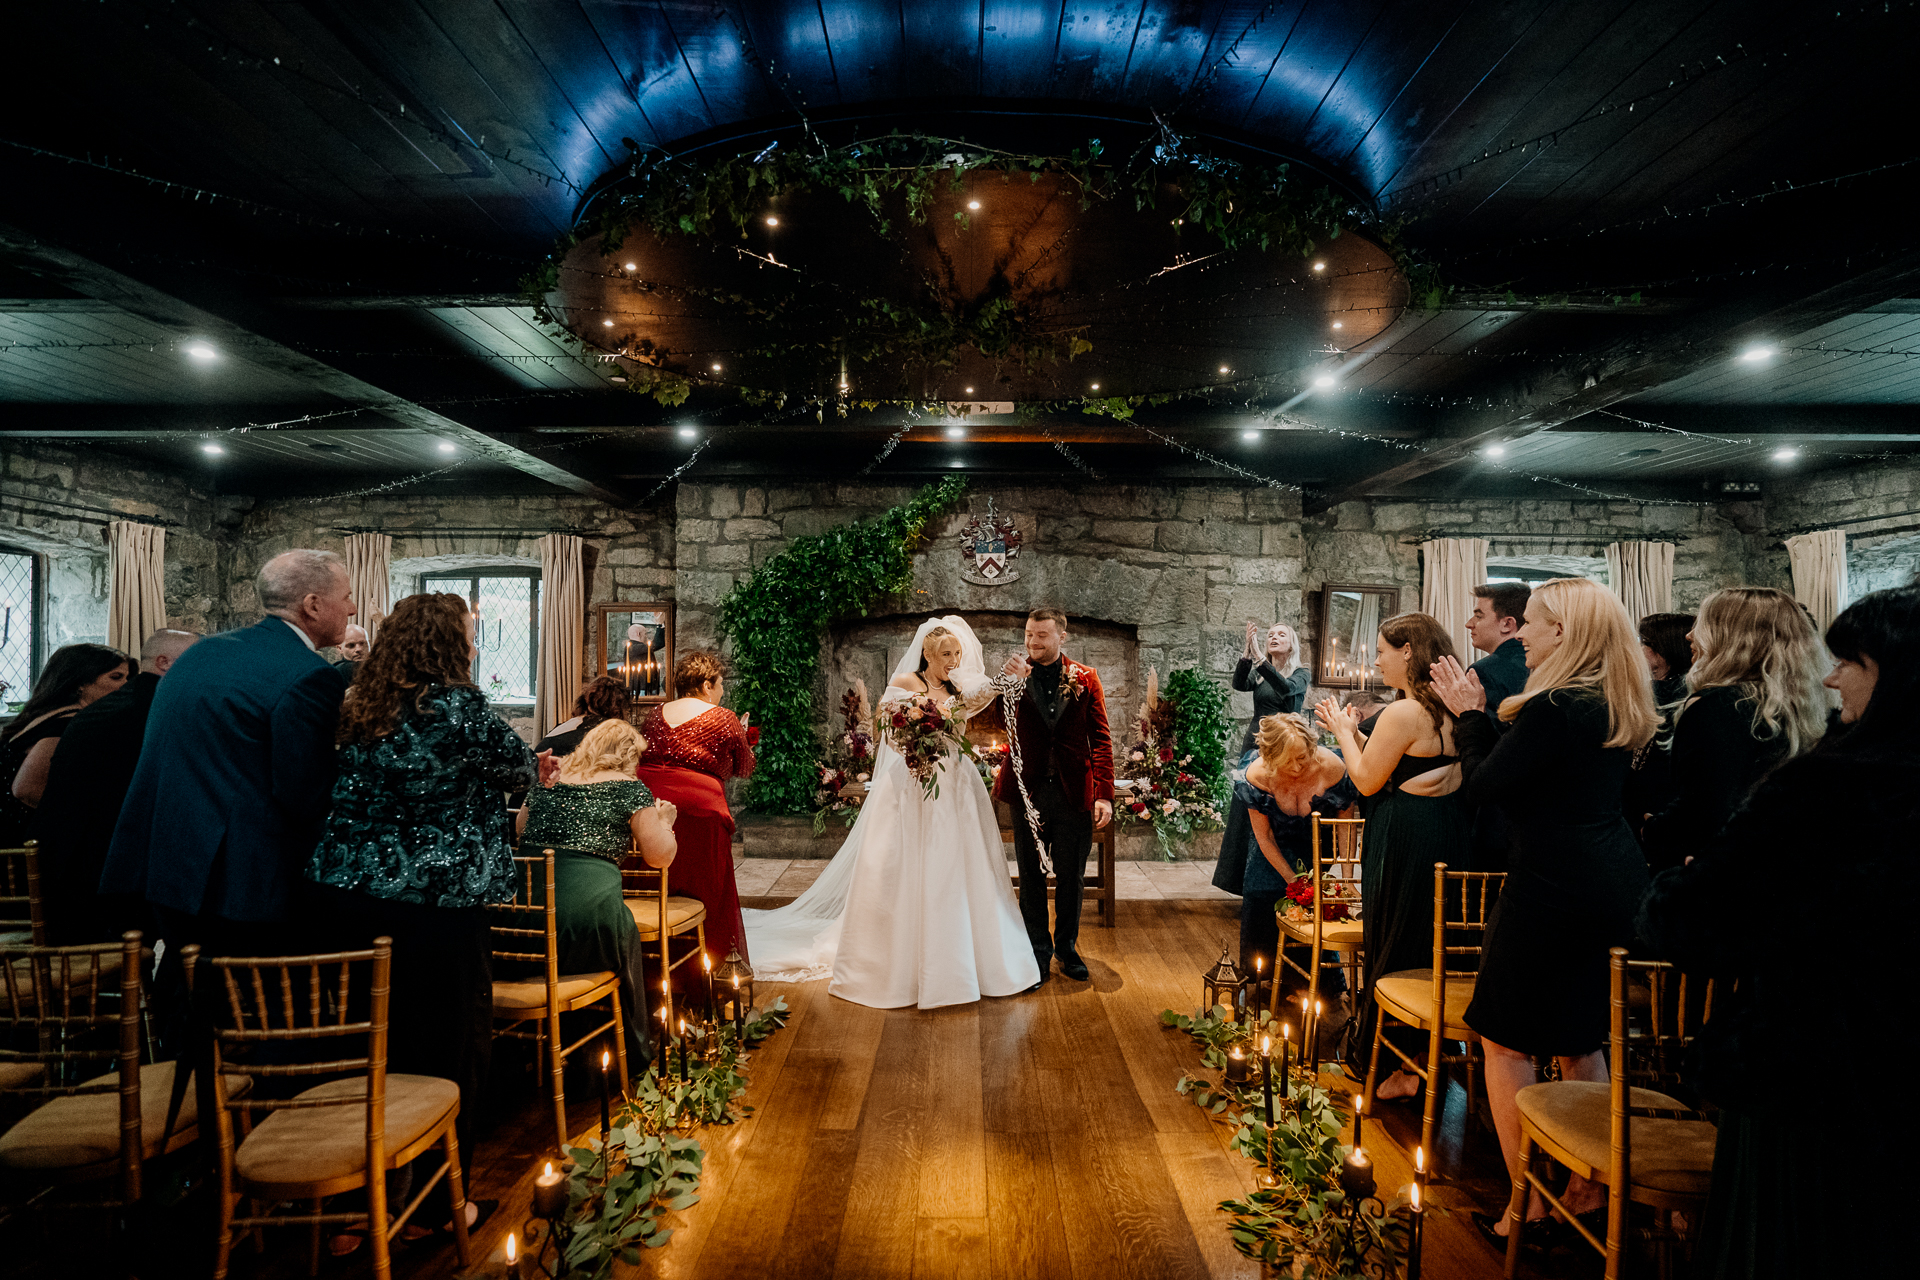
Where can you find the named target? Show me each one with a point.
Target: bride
(916, 908)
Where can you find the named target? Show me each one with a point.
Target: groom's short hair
(1049, 615)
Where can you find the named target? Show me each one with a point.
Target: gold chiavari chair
(1434, 1000)
(1648, 1147)
(70, 1002)
(662, 917)
(1337, 847)
(21, 921)
(542, 1000)
(340, 1136)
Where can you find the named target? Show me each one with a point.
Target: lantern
(1224, 983)
(733, 980)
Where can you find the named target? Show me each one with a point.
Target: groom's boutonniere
(1078, 680)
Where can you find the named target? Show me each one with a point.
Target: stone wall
(1878, 506)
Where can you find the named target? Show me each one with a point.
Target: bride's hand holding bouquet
(923, 729)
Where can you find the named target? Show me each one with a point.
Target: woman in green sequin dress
(593, 815)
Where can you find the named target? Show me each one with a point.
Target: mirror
(1350, 618)
(636, 647)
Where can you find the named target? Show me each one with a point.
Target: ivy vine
(774, 619)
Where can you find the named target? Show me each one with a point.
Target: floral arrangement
(1167, 791)
(922, 729)
(496, 687)
(849, 759)
(1342, 900)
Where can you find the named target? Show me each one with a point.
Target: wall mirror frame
(635, 641)
(1350, 615)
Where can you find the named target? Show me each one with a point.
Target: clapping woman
(1272, 673)
(1575, 872)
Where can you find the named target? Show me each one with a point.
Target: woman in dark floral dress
(419, 841)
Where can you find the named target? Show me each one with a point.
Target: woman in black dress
(75, 676)
(1409, 779)
(1770, 1209)
(1665, 642)
(1575, 873)
(602, 699)
(1274, 677)
(1756, 701)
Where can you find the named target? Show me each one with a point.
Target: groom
(1067, 756)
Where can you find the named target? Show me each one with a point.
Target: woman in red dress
(693, 746)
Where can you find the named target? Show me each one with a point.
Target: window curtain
(1641, 574)
(1820, 573)
(1450, 569)
(369, 558)
(136, 598)
(563, 627)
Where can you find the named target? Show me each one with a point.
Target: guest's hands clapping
(1459, 688)
(1342, 722)
(1253, 644)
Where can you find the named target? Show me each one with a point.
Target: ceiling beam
(1571, 389)
(84, 276)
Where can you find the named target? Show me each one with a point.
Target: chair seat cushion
(682, 913)
(1408, 995)
(517, 996)
(80, 974)
(1674, 1156)
(323, 1144)
(82, 1129)
(18, 1075)
(1336, 935)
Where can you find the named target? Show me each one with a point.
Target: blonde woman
(1270, 670)
(591, 817)
(1755, 701)
(1576, 874)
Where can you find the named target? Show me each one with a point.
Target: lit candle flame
(549, 1172)
(1419, 1159)
(683, 1026)
(1266, 1044)
(512, 1252)
(1359, 1105)
(1416, 1197)
(606, 1059)
(736, 982)
(1286, 1031)
(705, 961)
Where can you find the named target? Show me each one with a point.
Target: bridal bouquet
(922, 730)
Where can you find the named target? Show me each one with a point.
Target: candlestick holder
(537, 1235)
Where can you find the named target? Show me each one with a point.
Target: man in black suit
(236, 771)
(86, 785)
(1498, 610)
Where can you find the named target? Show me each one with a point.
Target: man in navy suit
(1498, 610)
(236, 770)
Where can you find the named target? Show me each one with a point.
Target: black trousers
(1068, 830)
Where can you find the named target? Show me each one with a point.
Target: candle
(513, 1258)
(1259, 964)
(1356, 1175)
(739, 1014)
(1266, 1075)
(713, 1009)
(1237, 1066)
(1417, 1230)
(1286, 1047)
(606, 1097)
(1359, 1114)
(684, 1076)
(550, 1193)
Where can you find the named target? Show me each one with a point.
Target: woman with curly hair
(693, 746)
(595, 812)
(419, 840)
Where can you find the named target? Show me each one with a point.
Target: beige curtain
(1820, 573)
(1641, 574)
(136, 596)
(369, 560)
(1450, 569)
(563, 625)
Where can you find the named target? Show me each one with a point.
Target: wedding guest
(1499, 608)
(75, 676)
(1576, 873)
(1407, 775)
(86, 785)
(1288, 779)
(353, 650)
(604, 698)
(1669, 653)
(1769, 1212)
(419, 841)
(1273, 675)
(693, 746)
(1665, 641)
(593, 815)
(1756, 700)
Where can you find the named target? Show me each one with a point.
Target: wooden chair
(1337, 847)
(68, 1001)
(340, 1136)
(21, 920)
(542, 1000)
(1649, 1148)
(1434, 1000)
(662, 917)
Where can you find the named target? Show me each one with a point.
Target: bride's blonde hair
(1600, 650)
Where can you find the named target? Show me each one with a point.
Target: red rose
(1334, 911)
(1166, 755)
(753, 735)
(899, 719)
(1301, 891)
(1139, 807)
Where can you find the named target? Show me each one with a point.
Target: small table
(1097, 887)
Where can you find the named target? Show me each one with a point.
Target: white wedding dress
(916, 908)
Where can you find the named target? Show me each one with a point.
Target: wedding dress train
(916, 908)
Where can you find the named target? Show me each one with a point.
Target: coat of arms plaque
(988, 547)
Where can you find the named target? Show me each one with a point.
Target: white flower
(860, 777)
(1169, 806)
(1137, 755)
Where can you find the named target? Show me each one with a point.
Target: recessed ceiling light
(1249, 435)
(957, 462)
(1096, 386)
(607, 323)
(447, 446)
(212, 448)
(1224, 369)
(969, 390)
(1757, 355)
(1786, 453)
(201, 351)
(619, 378)
(633, 266)
(973, 204)
(688, 433)
(1319, 266)
(1496, 450)
(843, 386)
(1338, 325)
(956, 433)
(772, 221)
(1324, 380)
(716, 366)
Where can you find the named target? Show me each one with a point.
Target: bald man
(86, 785)
(353, 650)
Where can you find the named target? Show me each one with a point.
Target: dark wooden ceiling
(338, 200)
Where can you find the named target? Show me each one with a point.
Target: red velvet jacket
(1079, 746)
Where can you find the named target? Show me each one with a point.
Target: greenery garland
(774, 620)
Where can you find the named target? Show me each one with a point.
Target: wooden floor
(1033, 1136)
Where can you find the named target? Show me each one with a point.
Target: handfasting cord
(1011, 690)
